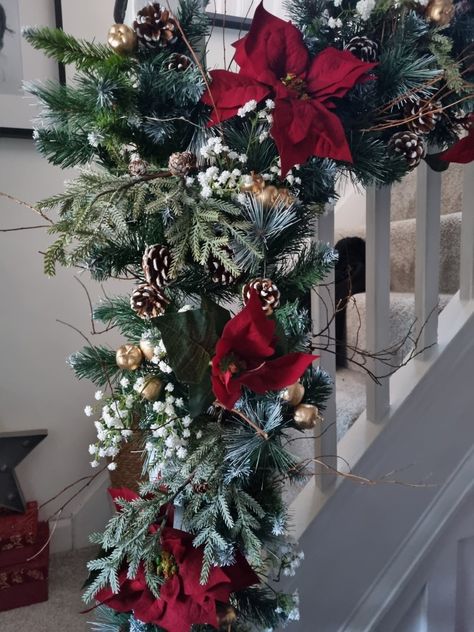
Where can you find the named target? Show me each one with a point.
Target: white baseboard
(91, 514)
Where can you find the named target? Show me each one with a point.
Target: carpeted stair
(350, 380)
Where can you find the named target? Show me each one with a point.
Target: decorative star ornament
(14, 447)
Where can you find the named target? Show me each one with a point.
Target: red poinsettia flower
(461, 152)
(243, 357)
(183, 600)
(275, 63)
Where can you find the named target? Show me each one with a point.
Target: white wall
(37, 389)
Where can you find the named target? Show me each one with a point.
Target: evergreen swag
(220, 219)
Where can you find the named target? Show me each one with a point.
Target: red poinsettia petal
(272, 49)
(122, 493)
(334, 72)
(461, 152)
(227, 395)
(229, 91)
(303, 128)
(276, 374)
(250, 334)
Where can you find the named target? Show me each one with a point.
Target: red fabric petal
(276, 374)
(230, 91)
(250, 334)
(271, 49)
(334, 72)
(303, 128)
(461, 152)
(123, 493)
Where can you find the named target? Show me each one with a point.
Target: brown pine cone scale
(148, 302)
(156, 264)
(155, 26)
(267, 291)
(410, 146)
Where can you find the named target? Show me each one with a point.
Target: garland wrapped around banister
(199, 188)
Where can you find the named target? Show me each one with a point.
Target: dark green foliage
(96, 364)
(116, 312)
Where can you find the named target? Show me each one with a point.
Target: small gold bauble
(122, 38)
(148, 348)
(129, 357)
(440, 11)
(293, 394)
(226, 615)
(268, 195)
(152, 388)
(306, 416)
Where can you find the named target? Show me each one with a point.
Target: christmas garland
(203, 193)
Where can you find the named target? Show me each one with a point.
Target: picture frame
(19, 62)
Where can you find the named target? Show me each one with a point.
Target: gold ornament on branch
(267, 195)
(306, 416)
(129, 357)
(148, 348)
(152, 388)
(226, 616)
(122, 39)
(440, 11)
(293, 394)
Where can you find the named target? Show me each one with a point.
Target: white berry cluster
(364, 9)
(290, 559)
(113, 426)
(170, 430)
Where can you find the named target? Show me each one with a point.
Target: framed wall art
(19, 62)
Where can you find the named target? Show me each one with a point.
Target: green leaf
(201, 395)
(190, 339)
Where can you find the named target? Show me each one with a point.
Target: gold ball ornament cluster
(122, 39)
(293, 394)
(147, 348)
(306, 416)
(440, 11)
(152, 388)
(269, 194)
(129, 357)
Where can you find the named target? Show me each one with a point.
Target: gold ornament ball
(226, 616)
(122, 38)
(129, 357)
(293, 394)
(268, 195)
(306, 416)
(440, 11)
(148, 348)
(152, 389)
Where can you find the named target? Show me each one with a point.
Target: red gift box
(18, 530)
(24, 572)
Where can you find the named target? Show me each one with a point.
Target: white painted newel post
(322, 309)
(377, 297)
(428, 231)
(467, 235)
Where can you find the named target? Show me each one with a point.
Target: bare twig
(26, 205)
(12, 230)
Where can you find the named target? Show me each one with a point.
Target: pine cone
(182, 163)
(427, 115)
(137, 167)
(218, 272)
(156, 264)
(268, 292)
(148, 302)
(409, 145)
(155, 26)
(179, 62)
(363, 48)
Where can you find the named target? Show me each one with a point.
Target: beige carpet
(62, 612)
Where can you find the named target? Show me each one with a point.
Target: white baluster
(322, 310)
(377, 297)
(428, 226)
(467, 235)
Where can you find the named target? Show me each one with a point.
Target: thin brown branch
(26, 205)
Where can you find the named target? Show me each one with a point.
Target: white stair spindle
(322, 310)
(467, 235)
(377, 298)
(428, 229)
